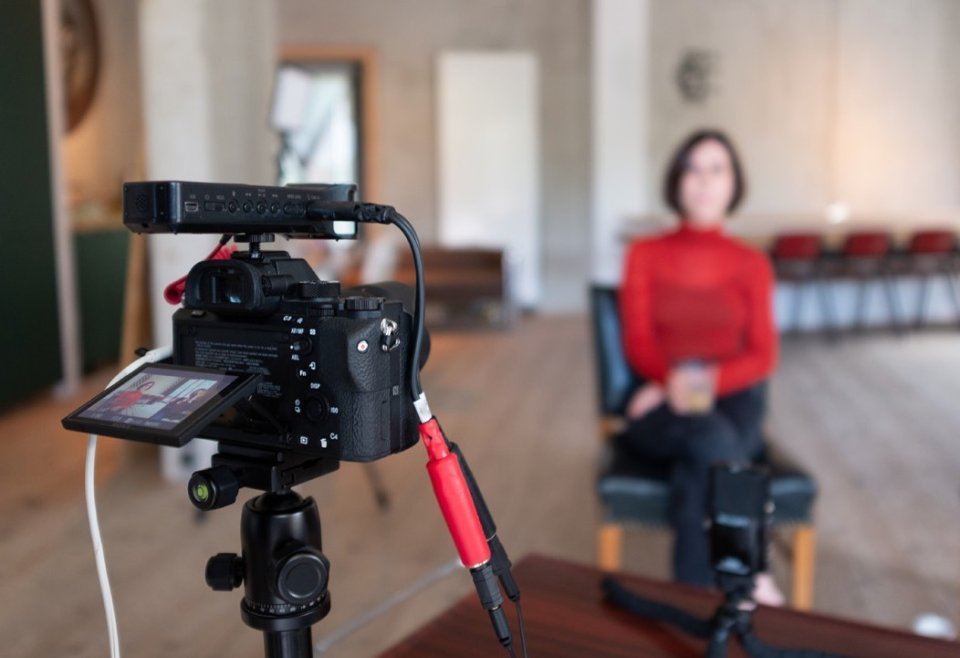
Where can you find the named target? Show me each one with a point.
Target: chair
(929, 254)
(797, 260)
(866, 257)
(636, 492)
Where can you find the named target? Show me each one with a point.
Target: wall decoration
(694, 74)
(80, 53)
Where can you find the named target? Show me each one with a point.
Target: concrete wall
(849, 100)
(408, 36)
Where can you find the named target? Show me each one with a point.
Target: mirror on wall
(317, 114)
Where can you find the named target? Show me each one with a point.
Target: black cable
(521, 627)
(406, 228)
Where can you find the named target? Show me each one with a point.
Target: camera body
(332, 364)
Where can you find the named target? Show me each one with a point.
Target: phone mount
(282, 567)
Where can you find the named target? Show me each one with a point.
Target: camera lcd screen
(162, 403)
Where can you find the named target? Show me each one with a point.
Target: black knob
(213, 487)
(302, 576)
(362, 303)
(224, 572)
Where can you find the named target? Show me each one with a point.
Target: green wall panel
(29, 335)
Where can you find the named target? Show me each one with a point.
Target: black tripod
(733, 618)
(282, 568)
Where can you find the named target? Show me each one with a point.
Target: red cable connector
(453, 496)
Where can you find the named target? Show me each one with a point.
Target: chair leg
(923, 294)
(796, 306)
(954, 293)
(610, 547)
(804, 556)
(826, 306)
(861, 304)
(893, 301)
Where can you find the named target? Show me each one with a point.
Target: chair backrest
(797, 246)
(615, 379)
(867, 244)
(933, 242)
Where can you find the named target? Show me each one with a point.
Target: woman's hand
(644, 400)
(690, 388)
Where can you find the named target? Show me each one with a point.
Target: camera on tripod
(290, 375)
(276, 365)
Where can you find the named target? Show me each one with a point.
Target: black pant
(691, 444)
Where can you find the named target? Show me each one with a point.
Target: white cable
(89, 483)
(102, 576)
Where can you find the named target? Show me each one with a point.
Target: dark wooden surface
(566, 617)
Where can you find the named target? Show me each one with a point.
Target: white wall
(207, 69)
(621, 127)
(851, 100)
(897, 145)
(207, 75)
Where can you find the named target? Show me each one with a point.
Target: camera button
(315, 409)
(301, 346)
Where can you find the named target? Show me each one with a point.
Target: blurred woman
(698, 329)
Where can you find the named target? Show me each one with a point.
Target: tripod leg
(718, 643)
(288, 644)
(376, 483)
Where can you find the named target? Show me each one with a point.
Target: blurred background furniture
(463, 284)
(796, 261)
(865, 258)
(636, 492)
(930, 254)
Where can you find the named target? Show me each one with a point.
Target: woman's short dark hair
(680, 161)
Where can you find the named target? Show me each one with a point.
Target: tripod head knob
(224, 572)
(302, 575)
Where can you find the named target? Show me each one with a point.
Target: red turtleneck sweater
(698, 294)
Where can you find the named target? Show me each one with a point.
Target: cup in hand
(695, 387)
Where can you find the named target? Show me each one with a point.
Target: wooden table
(567, 617)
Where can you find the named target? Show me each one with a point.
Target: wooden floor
(876, 419)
